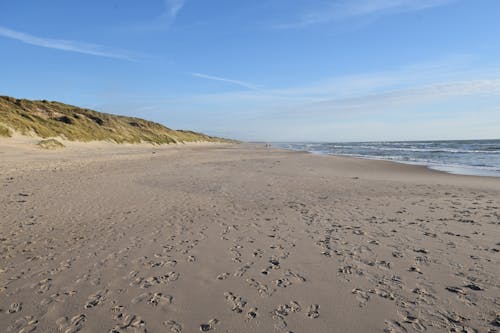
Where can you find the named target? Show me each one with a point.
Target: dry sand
(239, 238)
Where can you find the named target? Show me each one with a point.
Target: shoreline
(28, 144)
(452, 169)
(24, 155)
(23, 149)
(420, 167)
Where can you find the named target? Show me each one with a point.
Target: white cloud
(306, 103)
(403, 97)
(165, 19)
(173, 7)
(368, 7)
(402, 100)
(332, 11)
(222, 79)
(438, 79)
(65, 45)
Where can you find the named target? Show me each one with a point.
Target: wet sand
(240, 238)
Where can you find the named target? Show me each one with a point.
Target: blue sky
(275, 70)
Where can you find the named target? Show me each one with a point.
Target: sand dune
(239, 238)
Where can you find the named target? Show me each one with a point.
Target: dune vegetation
(50, 144)
(53, 119)
(4, 131)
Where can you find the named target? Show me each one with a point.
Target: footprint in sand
(242, 270)
(52, 298)
(140, 298)
(236, 302)
(173, 326)
(159, 299)
(152, 280)
(284, 310)
(295, 306)
(453, 318)
(71, 325)
(383, 293)
(129, 321)
(496, 321)
(282, 283)
(15, 307)
(258, 253)
(296, 276)
(456, 290)
(397, 254)
(95, 299)
(394, 327)
(262, 289)
(415, 269)
(361, 296)
(475, 287)
(132, 275)
(209, 326)
(43, 286)
(252, 313)
(169, 277)
(148, 282)
(280, 322)
(345, 270)
(30, 328)
(154, 299)
(117, 309)
(275, 264)
(26, 324)
(424, 294)
(313, 311)
(70, 292)
(413, 320)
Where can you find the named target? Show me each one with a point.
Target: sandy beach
(240, 238)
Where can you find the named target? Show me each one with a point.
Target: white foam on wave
(480, 158)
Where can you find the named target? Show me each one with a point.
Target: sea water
(475, 157)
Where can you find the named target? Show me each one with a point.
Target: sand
(240, 238)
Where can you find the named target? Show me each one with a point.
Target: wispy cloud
(408, 88)
(66, 45)
(306, 102)
(173, 7)
(454, 68)
(332, 11)
(403, 113)
(401, 98)
(223, 79)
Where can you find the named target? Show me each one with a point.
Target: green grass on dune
(50, 144)
(4, 131)
(53, 119)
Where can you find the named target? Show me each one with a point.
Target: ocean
(472, 157)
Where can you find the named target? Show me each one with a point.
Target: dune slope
(53, 119)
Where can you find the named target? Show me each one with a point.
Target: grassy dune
(53, 119)
(4, 131)
(50, 144)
